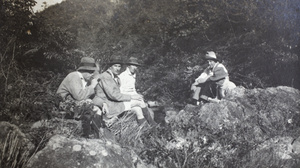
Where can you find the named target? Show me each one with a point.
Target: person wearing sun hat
(211, 84)
(128, 81)
(74, 86)
(77, 89)
(128, 77)
(108, 91)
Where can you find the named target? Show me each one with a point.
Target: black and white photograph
(149, 83)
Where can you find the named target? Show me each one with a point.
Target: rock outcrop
(62, 152)
(250, 128)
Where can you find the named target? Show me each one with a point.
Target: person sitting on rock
(77, 89)
(108, 91)
(128, 80)
(212, 84)
(128, 77)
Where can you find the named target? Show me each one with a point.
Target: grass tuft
(13, 154)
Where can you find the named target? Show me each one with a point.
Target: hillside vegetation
(257, 41)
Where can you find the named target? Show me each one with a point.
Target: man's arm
(112, 90)
(203, 77)
(218, 73)
(77, 91)
(72, 85)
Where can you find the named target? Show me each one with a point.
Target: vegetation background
(257, 40)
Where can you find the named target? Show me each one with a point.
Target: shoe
(141, 121)
(192, 101)
(148, 117)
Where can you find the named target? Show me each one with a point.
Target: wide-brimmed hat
(133, 61)
(210, 55)
(115, 60)
(88, 64)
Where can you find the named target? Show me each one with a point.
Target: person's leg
(208, 90)
(195, 96)
(86, 125)
(221, 92)
(145, 110)
(196, 93)
(148, 117)
(97, 123)
(136, 107)
(151, 112)
(139, 115)
(138, 103)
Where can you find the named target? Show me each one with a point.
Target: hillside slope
(170, 36)
(258, 42)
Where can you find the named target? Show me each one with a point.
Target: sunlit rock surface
(62, 152)
(249, 128)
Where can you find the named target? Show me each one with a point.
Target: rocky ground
(256, 125)
(249, 128)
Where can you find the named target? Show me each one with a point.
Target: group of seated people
(111, 93)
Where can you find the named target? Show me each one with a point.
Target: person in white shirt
(128, 77)
(212, 84)
(128, 80)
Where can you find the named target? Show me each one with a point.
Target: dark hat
(87, 63)
(210, 55)
(133, 61)
(115, 60)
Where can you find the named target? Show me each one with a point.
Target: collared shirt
(127, 82)
(115, 77)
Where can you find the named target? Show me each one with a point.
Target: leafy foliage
(258, 41)
(16, 17)
(168, 37)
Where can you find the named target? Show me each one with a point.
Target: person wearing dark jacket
(108, 91)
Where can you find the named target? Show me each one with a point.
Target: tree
(16, 17)
(15, 20)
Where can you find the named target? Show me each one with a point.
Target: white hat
(210, 55)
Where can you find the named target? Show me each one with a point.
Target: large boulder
(62, 152)
(242, 129)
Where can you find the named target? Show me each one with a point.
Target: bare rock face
(264, 113)
(62, 152)
(252, 128)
